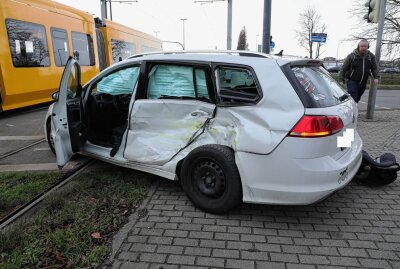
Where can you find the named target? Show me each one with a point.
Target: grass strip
(75, 226)
(17, 188)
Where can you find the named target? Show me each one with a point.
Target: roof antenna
(279, 53)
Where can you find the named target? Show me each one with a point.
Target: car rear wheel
(50, 140)
(211, 180)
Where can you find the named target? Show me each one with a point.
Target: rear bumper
(279, 178)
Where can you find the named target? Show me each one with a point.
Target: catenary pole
(266, 38)
(229, 20)
(103, 8)
(110, 10)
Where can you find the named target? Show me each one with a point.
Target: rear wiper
(343, 97)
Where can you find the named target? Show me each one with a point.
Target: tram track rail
(36, 201)
(18, 112)
(15, 151)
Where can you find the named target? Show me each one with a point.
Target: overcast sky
(206, 24)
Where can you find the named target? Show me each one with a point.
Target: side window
(237, 86)
(101, 49)
(28, 44)
(174, 81)
(60, 46)
(322, 89)
(73, 82)
(83, 49)
(201, 83)
(120, 82)
(121, 50)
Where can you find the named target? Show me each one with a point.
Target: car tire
(211, 180)
(48, 136)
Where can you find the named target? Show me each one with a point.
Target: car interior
(107, 108)
(237, 85)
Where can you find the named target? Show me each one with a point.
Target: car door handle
(200, 113)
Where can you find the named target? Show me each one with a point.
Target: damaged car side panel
(162, 132)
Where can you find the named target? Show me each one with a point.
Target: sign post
(372, 92)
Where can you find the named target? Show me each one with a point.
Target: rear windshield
(322, 89)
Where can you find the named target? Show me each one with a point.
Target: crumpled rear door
(159, 129)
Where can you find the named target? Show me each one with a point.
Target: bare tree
(310, 22)
(242, 45)
(391, 31)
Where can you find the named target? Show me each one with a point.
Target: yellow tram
(38, 36)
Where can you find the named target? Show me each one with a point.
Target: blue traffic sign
(318, 37)
(272, 44)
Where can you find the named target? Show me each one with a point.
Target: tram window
(83, 48)
(121, 50)
(28, 44)
(60, 46)
(148, 49)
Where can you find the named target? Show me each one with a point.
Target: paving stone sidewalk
(358, 227)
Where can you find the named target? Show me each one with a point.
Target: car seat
(379, 171)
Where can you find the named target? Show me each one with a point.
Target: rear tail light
(317, 126)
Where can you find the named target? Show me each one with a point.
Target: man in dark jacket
(356, 68)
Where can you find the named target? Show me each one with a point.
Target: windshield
(324, 90)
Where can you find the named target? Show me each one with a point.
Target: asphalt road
(385, 100)
(19, 129)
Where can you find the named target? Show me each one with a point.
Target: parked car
(391, 70)
(334, 69)
(231, 126)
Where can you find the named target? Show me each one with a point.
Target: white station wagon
(231, 126)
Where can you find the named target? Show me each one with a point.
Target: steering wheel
(121, 103)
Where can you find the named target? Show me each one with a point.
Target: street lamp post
(229, 30)
(183, 28)
(174, 42)
(337, 52)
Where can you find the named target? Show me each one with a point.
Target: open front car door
(66, 119)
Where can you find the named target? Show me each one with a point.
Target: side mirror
(55, 96)
(76, 55)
